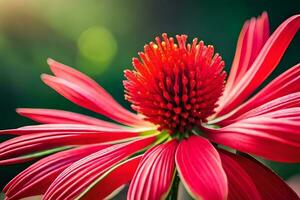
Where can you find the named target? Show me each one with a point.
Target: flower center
(175, 85)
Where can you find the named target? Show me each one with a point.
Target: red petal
(89, 99)
(88, 94)
(44, 137)
(264, 64)
(240, 183)
(80, 175)
(37, 178)
(112, 180)
(274, 136)
(155, 173)
(280, 104)
(51, 116)
(253, 36)
(285, 84)
(200, 169)
(72, 75)
(69, 128)
(268, 184)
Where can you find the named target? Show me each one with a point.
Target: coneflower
(187, 114)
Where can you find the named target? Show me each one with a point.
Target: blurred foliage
(100, 37)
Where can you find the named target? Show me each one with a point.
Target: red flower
(179, 91)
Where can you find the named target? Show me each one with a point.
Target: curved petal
(240, 183)
(285, 84)
(264, 64)
(34, 140)
(88, 94)
(72, 75)
(90, 100)
(268, 184)
(80, 175)
(112, 180)
(36, 179)
(200, 169)
(283, 103)
(52, 116)
(67, 128)
(155, 173)
(17, 155)
(274, 136)
(253, 36)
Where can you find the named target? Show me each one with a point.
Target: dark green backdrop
(101, 37)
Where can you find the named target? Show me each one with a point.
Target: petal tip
(46, 77)
(265, 14)
(20, 111)
(50, 61)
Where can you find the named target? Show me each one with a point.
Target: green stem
(174, 190)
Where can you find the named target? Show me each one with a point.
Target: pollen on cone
(175, 85)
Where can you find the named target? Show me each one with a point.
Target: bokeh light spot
(97, 45)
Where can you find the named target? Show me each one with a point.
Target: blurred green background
(99, 37)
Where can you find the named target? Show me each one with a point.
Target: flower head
(184, 121)
(174, 84)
